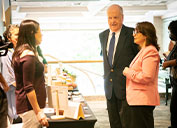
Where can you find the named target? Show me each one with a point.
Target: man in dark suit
(118, 50)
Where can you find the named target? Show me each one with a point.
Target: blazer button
(110, 80)
(112, 70)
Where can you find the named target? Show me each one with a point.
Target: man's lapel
(120, 44)
(105, 39)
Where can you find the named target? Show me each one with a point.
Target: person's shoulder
(27, 52)
(151, 50)
(127, 28)
(128, 31)
(103, 32)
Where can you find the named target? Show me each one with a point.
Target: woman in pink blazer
(142, 78)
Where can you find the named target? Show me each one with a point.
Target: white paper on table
(74, 111)
(62, 96)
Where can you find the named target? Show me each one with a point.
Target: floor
(161, 113)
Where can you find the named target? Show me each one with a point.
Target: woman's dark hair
(26, 37)
(148, 30)
(173, 30)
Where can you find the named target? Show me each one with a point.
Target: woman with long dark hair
(29, 73)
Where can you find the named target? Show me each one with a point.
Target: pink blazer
(142, 78)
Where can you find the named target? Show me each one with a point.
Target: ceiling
(74, 14)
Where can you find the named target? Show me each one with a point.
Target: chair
(168, 85)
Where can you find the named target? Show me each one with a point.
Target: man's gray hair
(118, 6)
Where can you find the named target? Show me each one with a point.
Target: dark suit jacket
(125, 52)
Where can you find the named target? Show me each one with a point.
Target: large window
(77, 45)
(71, 45)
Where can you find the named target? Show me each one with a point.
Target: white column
(158, 23)
(1, 17)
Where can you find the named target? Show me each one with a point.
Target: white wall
(1, 23)
(6, 5)
(165, 37)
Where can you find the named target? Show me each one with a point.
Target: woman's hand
(42, 119)
(125, 71)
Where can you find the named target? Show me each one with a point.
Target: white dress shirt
(116, 41)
